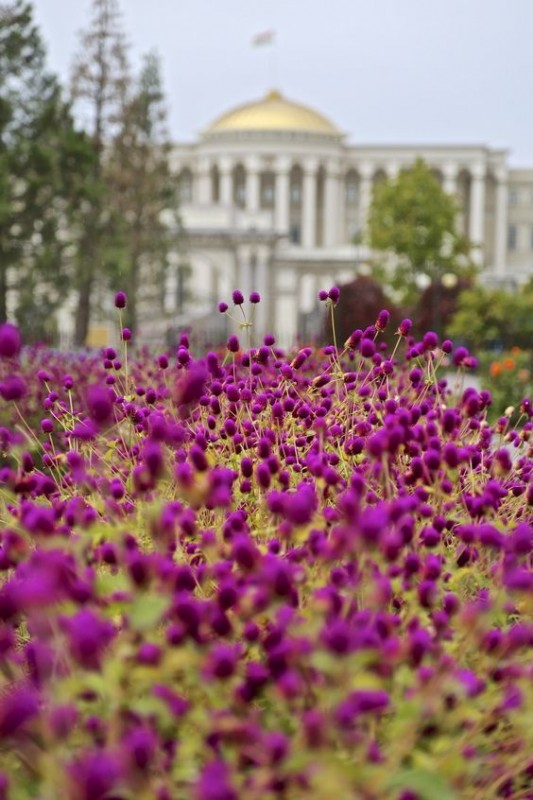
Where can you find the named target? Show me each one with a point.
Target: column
(244, 276)
(225, 166)
(366, 173)
(341, 205)
(309, 203)
(500, 232)
(477, 210)
(285, 306)
(261, 310)
(252, 184)
(204, 183)
(392, 169)
(331, 206)
(450, 172)
(281, 200)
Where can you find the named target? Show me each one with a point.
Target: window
(296, 194)
(294, 234)
(267, 195)
(513, 197)
(351, 193)
(186, 187)
(512, 237)
(240, 194)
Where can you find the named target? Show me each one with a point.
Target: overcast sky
(385, 71)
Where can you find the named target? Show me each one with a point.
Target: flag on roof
(266, 37)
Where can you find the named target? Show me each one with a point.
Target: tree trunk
(83, 315)
(3, 293)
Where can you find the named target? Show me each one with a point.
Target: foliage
(44, 164)
(492, 317)
(263, 575)
(144, 191)
(508, 375)
(360, 302)
(414, 219)
(100, 88)
(437, 305)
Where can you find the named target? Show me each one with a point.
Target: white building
(273, 195)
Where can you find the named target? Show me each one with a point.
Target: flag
(266, 37)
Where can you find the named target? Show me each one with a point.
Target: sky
(384, 71)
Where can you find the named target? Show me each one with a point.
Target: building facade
(274, 196)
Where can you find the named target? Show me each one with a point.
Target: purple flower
(214, 783)
(237, 297)
(12, 388)
(233, 344)
(176, 704)
(404, 327)
(382, 319)
(223, 661)
(255, 297)
(460, 356)
(430, 340)
(473, 685)
(17, 708)
(89, 635)
(99, 403)
(334, 294)
(140, 745)
(120, 300)
(10, 340)
(222, 307)
(94, 775)
(191, 386)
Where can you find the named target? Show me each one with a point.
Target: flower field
(260, 575)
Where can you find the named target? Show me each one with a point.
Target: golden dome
(273, 113)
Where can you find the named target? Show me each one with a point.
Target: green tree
(412, 218)
(493, 318)
(44, 162)
(100, 86)
(145, 193)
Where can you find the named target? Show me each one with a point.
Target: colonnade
(333, 172)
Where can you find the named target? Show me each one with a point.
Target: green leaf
(146, 612)
(428, 784)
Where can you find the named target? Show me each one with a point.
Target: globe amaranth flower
(404, 327)
(10, 340)
(13, 388)
(120, 300)
(93, 775)
(214, 783)
(99, 403)
(88, 637)
(233, 343)
(18, 707)
(382, 319)
(237, 297)
(334, 294)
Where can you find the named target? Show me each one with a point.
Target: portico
(275, 168)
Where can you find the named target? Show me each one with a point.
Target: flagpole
(273, 65)
(268, 38)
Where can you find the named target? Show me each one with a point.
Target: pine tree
(44, 163)
(145, 192)
(100, 84)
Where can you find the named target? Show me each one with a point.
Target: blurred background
(180, 150)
